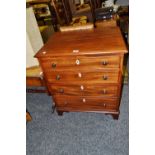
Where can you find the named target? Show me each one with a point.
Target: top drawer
(80, 62)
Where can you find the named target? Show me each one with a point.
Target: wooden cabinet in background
(83, 70)
(44, 12)
(63, 12)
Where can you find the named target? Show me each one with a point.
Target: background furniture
(34, 77)
(46, 32)
(62, 10)
(44, 12)
(106, 23)
(33, 43)
(123, 23)
(78, 27)
(78, 23)
(81, 10)
(123, 14)
(83, 70)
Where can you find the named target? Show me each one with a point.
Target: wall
(33, 39)
(30, 60)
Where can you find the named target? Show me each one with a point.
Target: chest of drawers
(83, 70)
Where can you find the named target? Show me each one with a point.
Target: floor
(75, 133)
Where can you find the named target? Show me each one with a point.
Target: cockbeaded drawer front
(98, 102)
(98, 76)
(85, 89)
(80, 62)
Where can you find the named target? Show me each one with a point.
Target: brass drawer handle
(61, 90)
(105, 77)
(58, 77)
(104, 91)
(104, 105)
(104, 63)
(54, 65)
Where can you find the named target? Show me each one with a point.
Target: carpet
(75, 133)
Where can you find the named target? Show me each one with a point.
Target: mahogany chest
(83, 70)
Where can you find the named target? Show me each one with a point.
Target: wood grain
(83, 70)
(86, 101)
(87, 42)
(93, 62)
(98, 76)
(34, 81)
(85, 89)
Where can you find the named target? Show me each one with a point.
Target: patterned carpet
(75, 133)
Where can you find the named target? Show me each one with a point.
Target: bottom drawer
(86, 102)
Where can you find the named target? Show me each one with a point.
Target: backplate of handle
(104, 91)
(105, 77)
(104, 63)
(54, 65)
(58, 77)
(61, 90)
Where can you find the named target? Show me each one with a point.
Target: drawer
(98, 76)
(85, 89)
(86, 101)
(80, 62)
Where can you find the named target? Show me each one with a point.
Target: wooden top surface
(95, 41)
